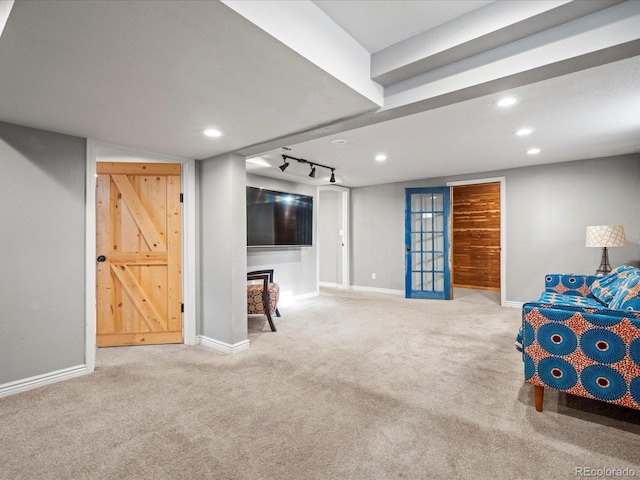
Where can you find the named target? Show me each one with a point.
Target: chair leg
(266, 305)
(538, 393)
(278, 312)
(273, 327)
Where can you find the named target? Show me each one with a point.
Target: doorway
(98, 151)
(479, 236)
(333, 237)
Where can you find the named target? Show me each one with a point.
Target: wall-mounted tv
(278, 218)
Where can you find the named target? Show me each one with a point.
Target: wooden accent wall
(476, 235)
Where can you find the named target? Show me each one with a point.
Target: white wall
(294, 267)
(548, 208)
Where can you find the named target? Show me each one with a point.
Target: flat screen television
(278, 218)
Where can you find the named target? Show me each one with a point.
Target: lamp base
(604, 267)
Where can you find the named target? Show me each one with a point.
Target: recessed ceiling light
(212, 132)
(381, 157)
(339, 141)
(533, 151)
(506, 102)
(524, 131)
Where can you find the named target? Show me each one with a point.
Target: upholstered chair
(262, 298)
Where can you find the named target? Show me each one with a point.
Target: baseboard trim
(512, 304)
(508, 303)
(389, 291)
(337, 286)
(222, 346)
(36, 381)
(303, 296)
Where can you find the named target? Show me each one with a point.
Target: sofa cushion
(628, 295)
(571, 300)
(605, 288)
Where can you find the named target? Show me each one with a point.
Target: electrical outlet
(373, 276)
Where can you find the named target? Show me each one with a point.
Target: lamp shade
(606, 236)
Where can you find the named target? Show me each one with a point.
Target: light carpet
(354, 385)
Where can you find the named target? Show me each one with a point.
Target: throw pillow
(605, 288)
(628, 295)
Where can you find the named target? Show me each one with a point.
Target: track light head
(313, 166)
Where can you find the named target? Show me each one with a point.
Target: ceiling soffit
(152, 75)
(583, 36)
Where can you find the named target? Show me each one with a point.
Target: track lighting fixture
(313, 165)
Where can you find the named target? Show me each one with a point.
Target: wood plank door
(476, 235)
(139, 269)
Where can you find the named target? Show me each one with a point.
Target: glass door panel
(428, 262)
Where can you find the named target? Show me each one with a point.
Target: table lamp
(605, 236)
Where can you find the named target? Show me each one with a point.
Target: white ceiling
(379, 24)
(589, 114)
(151, 75)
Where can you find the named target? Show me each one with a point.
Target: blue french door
(427, 242)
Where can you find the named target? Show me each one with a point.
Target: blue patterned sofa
(582, 336)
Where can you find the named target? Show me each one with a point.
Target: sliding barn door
(139, 271)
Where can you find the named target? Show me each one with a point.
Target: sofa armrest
(593, 354)
(566, 284)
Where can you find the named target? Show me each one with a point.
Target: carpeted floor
(353, 385)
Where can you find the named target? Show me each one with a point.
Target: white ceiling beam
(618, 26)
(492, 26)
(307, 30)
(597, 39)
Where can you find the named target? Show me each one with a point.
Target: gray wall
(548, 208)
(42, 260)
(329, 238)
(294, 267)
(223, 251)
(377, 236)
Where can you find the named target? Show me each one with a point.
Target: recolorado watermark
(604, 472)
